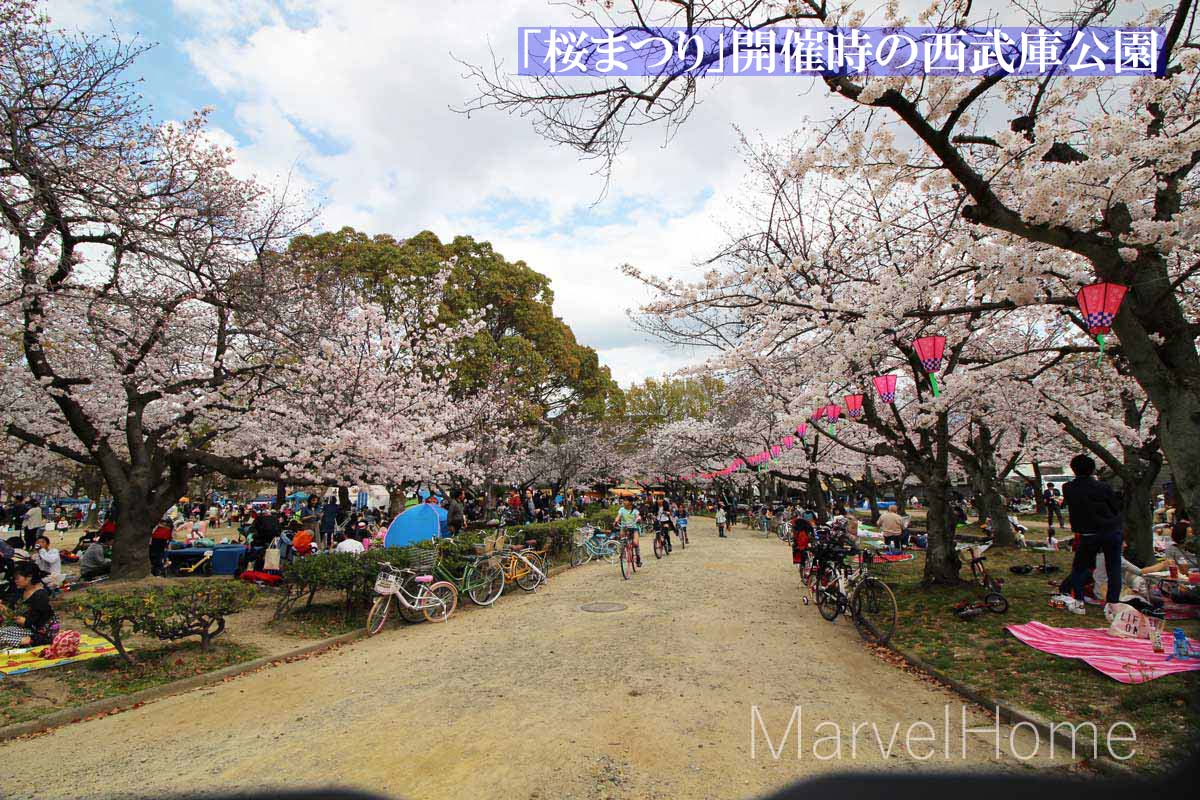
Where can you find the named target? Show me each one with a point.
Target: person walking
(1050, 499)
(721, 524)
(456, 512)
(1094, 511)
(329, 519)
(33, 523)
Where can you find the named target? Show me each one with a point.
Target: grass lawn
(1164, 712)
(35, 694)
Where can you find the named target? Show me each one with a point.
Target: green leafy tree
(536, 352)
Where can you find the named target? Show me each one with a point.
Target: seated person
(345, 545)
(49, 562)
(95, 562)
(1175, 554)
(302, 542)
(891, 525)
(35, 622)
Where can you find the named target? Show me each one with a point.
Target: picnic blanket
(26, 659)
(1124, 660)
(889, 558)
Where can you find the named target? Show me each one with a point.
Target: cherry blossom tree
(153, 327)
(1005, 146)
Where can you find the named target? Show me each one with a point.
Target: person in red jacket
(160, 539)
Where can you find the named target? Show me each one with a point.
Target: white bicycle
(435, 600)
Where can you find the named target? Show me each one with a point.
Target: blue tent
(421, 522)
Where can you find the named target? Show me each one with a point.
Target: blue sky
(352, 101)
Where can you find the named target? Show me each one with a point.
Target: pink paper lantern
(854, 404)
(886, 386)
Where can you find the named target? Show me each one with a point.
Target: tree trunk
(280, 494)
(872, 501)
(131, 545)
(941, 559)
(1137, 518)
(93, 484)
(816, 495)
(395, 501)
(997, 510)
(1037, 489)
(901, 500)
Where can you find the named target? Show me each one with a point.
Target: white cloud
(353, 100)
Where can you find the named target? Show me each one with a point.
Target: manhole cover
(602, 608)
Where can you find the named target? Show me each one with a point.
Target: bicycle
(681, 527)
(854, 592)
(628, 554)
(521, 569)
(993, 599)
(592, 543)
(662, 541)
(763, 523)
(435, 600)
(481, 578)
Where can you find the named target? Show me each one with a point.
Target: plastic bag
(1127, 622)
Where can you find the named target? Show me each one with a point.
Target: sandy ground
(535, 698)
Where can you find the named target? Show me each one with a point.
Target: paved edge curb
(125, 702)
(1011, 714)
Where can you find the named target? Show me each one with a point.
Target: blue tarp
(421, 522)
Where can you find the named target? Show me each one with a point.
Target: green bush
(176, 611)
(352, 574)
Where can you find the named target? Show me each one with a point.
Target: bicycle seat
(424, 579)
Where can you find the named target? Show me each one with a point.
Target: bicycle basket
(422, 559)
(387, 582)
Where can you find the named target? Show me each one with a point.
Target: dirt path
(535, 698)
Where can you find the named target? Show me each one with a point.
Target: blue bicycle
(593, 543)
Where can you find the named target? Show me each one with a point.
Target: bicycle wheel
(873, 608)
(488, 586)
(410, 613)
(578, 555)
(658, 547)
(827, 594)
(996, 602)
(439, 601)
(528, 579)
(683, 538)
(613, 554)
(626, 562)
(377, 617)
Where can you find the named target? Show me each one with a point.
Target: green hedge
(353, 575)
(196, 607)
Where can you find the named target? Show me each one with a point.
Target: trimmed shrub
(352, 574)
(176, 611)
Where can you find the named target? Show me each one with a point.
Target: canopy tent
(298, 496)
(421, 522)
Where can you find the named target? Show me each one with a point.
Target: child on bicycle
(627, 523)
(665, 523)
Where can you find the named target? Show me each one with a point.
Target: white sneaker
(1076, 607)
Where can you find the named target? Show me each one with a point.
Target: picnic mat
(21, 660)
(888, 558)
(1124, 660)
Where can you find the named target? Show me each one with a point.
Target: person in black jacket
(1094, 511)
(266, 528)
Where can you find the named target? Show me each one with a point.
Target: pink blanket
(1125, 660)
